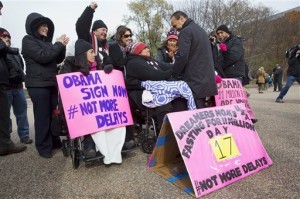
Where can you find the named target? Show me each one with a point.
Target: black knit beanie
(98, 24)
(81, 46)
(223, 28)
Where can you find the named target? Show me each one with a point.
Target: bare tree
(150, 17)
(240, 16)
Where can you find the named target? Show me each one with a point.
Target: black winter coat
(83, 26)
(233, 59)
(163, 59)
(5, 64)
(294, 67)
(40, 55)
(18, 65)
(194, 60)
(117, 56)
(140, 68)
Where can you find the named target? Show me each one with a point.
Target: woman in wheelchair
(83, 61)
(140, 68)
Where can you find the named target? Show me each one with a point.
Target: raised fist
(93, 5)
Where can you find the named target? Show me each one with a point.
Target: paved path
(26, 175)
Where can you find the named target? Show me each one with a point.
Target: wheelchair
(144, 122)
(145, 126)
(147, 129)
(73, 147)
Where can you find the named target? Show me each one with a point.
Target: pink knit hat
(135, 48)
(172, 34)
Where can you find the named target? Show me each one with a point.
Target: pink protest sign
(94, 103)
(230, 91)
(218, 146)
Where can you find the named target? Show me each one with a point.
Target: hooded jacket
(40, 55)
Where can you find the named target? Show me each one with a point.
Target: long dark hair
(80, 62)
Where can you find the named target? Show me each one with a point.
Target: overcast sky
(64, 14)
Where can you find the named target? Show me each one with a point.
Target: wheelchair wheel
(148, 145)
(74, 154)
(65, 148)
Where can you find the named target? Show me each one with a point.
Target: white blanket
(110, 143)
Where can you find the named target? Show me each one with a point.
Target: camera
(291, 52)
(12, 51)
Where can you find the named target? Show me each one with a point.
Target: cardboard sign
(94, 103)
(204, 150)
(230, 91)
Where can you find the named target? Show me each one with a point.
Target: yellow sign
(224, 147)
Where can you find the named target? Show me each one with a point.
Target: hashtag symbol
(198, 187)
(72, 111)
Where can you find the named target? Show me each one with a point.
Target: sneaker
(278, 100)
(90, 153)
(49, 155)
(13, 148)
(26, 140)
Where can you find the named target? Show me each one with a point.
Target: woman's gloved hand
(108, 68)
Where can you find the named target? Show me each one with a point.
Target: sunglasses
(126, 36)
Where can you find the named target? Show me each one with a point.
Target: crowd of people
(188, 55)
(275, 78)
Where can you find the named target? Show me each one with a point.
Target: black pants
(277, 82)
(44, 101)
(5, 140)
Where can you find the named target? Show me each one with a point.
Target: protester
(261, 79)
(165, 54)
(15, 91)
(193, 60)
(97, 37)
(109, 142)
(141, 67)
(6, 73)
(277, 75)
(117, 51)
(232, 49)
(84, 62)
(233, 53)
(293, 74)
(6, 144)
(41, 58)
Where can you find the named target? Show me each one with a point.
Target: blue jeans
(289, 82)
(17, 100)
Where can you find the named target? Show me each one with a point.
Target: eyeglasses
(126, 36)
